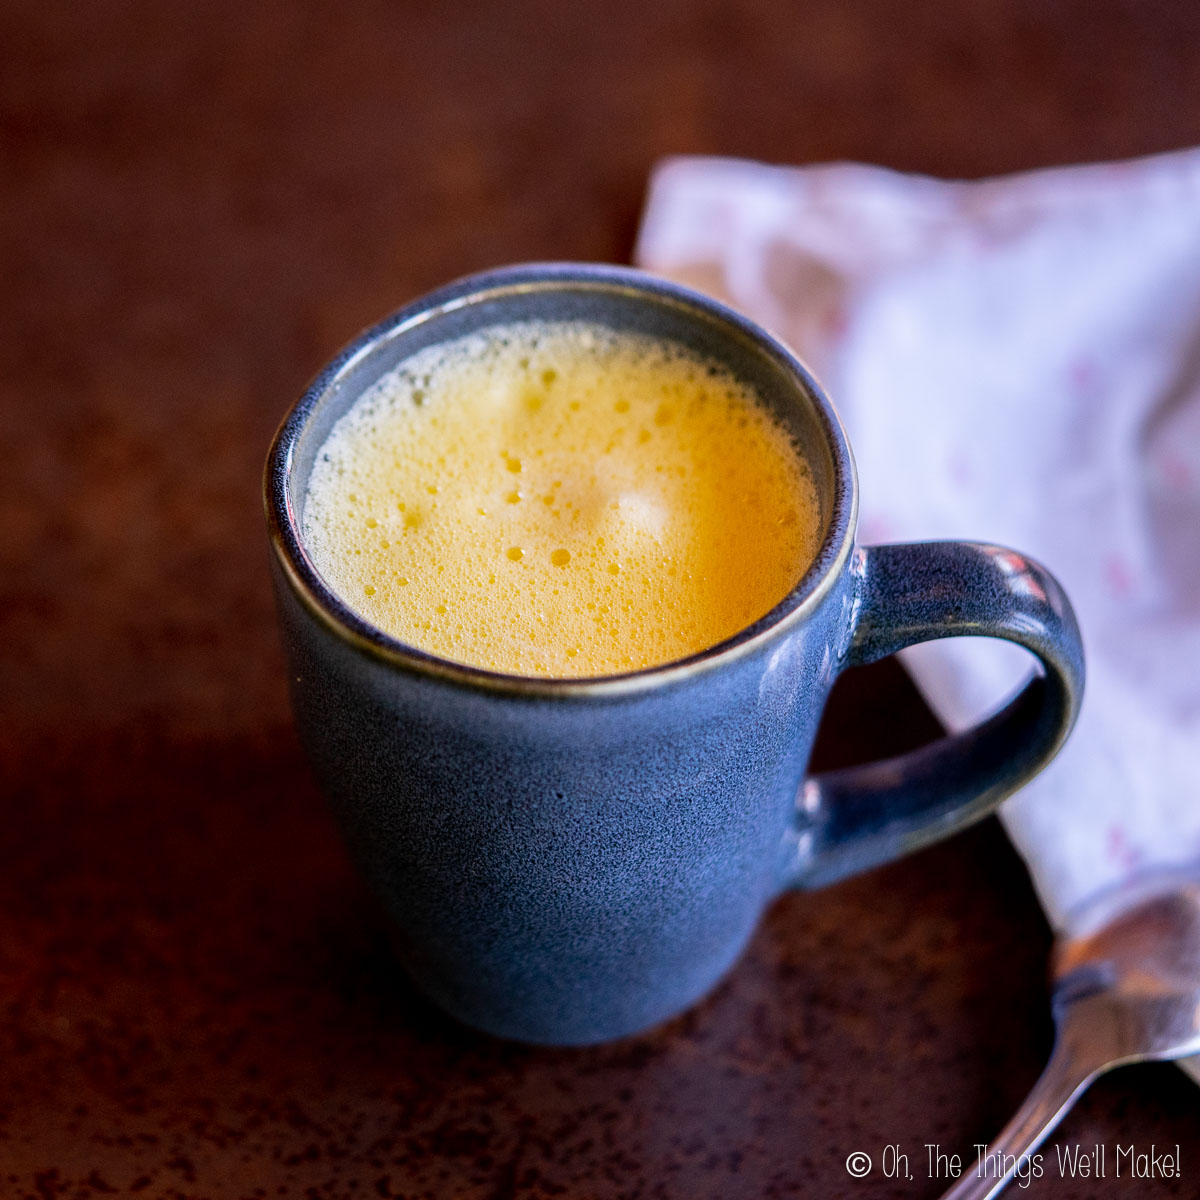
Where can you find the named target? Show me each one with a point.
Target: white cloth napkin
(1016, 361)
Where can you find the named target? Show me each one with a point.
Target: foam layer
(556, 499)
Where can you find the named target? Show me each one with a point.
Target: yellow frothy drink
(558, 499)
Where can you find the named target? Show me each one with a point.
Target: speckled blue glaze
(569, 861)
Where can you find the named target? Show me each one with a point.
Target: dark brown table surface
(198, 204)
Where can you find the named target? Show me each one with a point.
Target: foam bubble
(559, 499)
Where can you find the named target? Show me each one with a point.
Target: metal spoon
(1126, 989)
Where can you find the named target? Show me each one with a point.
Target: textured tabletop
(198, 204)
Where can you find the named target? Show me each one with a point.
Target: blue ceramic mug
(570, 860)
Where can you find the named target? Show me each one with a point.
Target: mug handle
(852, 819)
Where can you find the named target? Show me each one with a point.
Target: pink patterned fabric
(1016, 360)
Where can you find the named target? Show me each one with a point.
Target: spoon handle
(1070, 1069)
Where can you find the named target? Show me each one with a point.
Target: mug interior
(622, 299)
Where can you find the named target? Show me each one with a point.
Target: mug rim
(340, 619)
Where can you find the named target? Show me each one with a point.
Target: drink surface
(558, 499)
